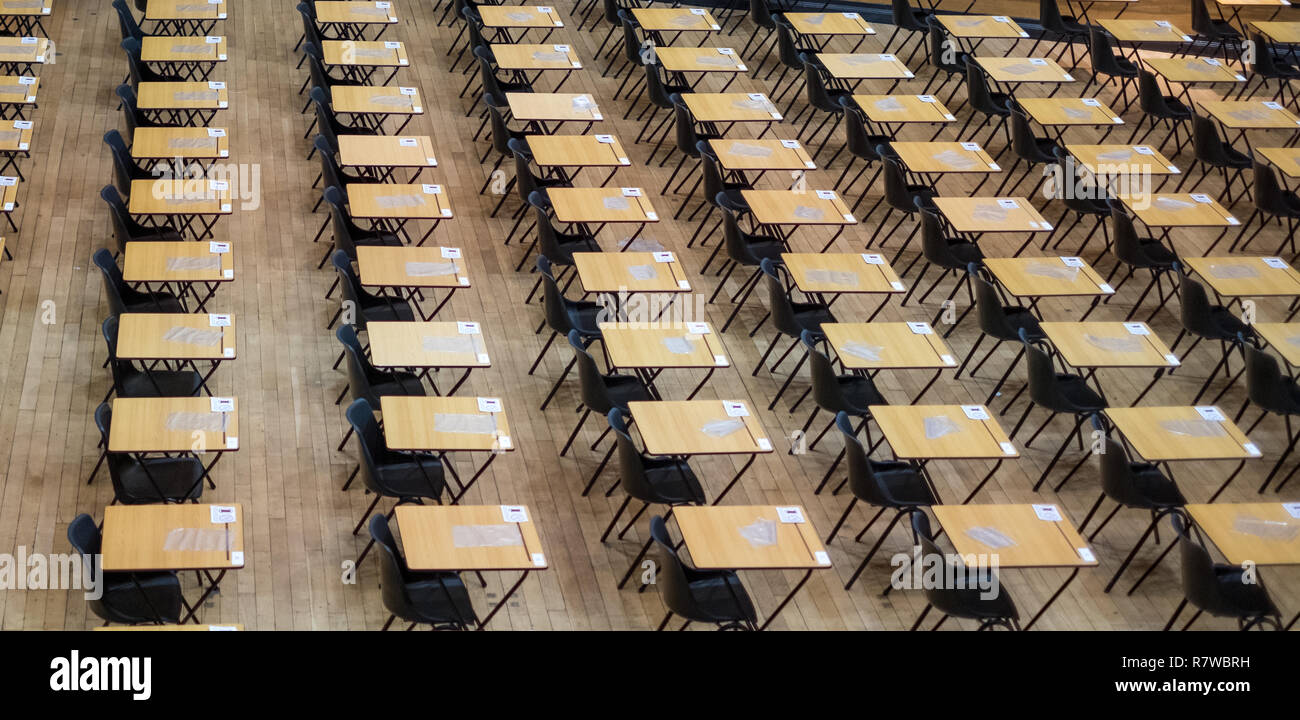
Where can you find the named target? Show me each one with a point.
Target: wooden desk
(444, 425)
(923, 433)
(1255, 533)
(1188, 71)
(1062, 113)
(886, 110)
(1053, 276)
(374, 104)
(829, 275)
(830, 25)
(981, 27)
(1243, 276)
(782, 209)
(761, 156)
(1090, 346)
(379, 156)
(656, 21)
(190, 57)
(19, 55)
(601, 206)
(183, 17)
(352, 19)
(683, 428)
(180, 265)
(1136, 32)
(700, 60)
(422, 347)
(545, 113)
(471, 538)
(1281, 32)
(869, 347)
(1169, 434)
(188, 143)
(17, 94)
(1171, 210)
(393, 205)
(176, 336)
(410, 271)
(152, 538)
(529, 63)
(359, 60)
(650, 348)
(1285, 159)
(1035, 542)
(631, 272)
(937, 158)
(188, 426)
(23, 17)
(850, 69)
(1109, 161)
(728, 109)
(183, 103)
(975, 216)
(192, 210)
(1245, 115)
(1014, 71)
(15, 144)
(566, 155)
(753, 537)
(1284, 338)
(504, 18)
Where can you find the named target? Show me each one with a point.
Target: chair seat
(1236, 159)
(388, 310)
(156, 302)
(584, 316)
(1154, 489)
(407, 479)
(158, 480)
(1075, 396)
(975, 607)
(763, 248)
(1176, 109)
(858, 394)
(1154, 255)
(161, 383)
(1071, 25)
(1225, 325)
(905, 485)
(396, 383)
(623, 389)
(125, 603)
(964, 253)
(376, 238)
(720, 598)
(1021, 318)
(1125, 66)
(811, 316)
(155, 234)
(673, 482)
(1044, 147)
(1250, 598)
(438, 599)
(733, 193)
(567, 245)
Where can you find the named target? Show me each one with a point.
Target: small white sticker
(1292, 509)
(1251, 449)
(514, 513)
(697, 328)
(1007, 448)
(432, 189)
(975, 412)
(1086, 555)
(237, 558)
(222, 404)
(1210, 412)
(218, 248)
(790, 514)
(1275, 262)
(822, 558)
(539, 560)
(218, 320)
(920, 328)
(735, 409)
(665, 256)
(450, 253)
(1048, 513)
(1137, 328)
(467, 328)
(222, 514)
(873, 258)
(489, 405)
(1070, 261)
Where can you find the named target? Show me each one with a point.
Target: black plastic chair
(791, 319)
(1108, 65)
(367, 382)
(1272, 202)
(948, 61)
(366, 307)
(131, 381)
(1211, 153)
(346, 234)
(558, 247)
(837, 394)
(984, 103)
(1209, 31)
(127, 230)
(819, 97)
(788, 49)
(125, 168)
(1068, 30)
(601, 393)
(1222, 590)
(1274, 394)
(439, 599)
(742, 250)
(501, 136)
(148, 480)
(122, 298)
(713, 183)
(708, 596)
(137, 70)
(131, 111)
(963, 598)
(948, 254)
(131, 598)
(913, 21)
(1159, 110)
(1026, 148)
(1203, 320)
(327, 123)
(1082, 205)
(1133, 253)
(861, 145)
(899, 196)
(760, 14)
(318, 76)
(687, 143)
(564, 316)
(1000, 323)
(658, 94)
(526, 183)
(1268, 66)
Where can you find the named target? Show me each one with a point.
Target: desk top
(179, 197)
(794, 207)
(1089, 345)
(700, 59)
(981, 26)
(179, 262)
(1016, 70)
(353, 12)
(904, 109)
(523, 56)
(376, 100)
(445, 424)
(750, 537)
(1019, 535)
(675, 20)
(991, 214)
(864, 66)
(1244, 276)
(160, 143)
(1285, 159)
(829, 23)
(173, 536)
(766, 154)
(469, 537)
(1167, 210)
(1143, 31)
(602, 205)
(1251, 114)
(1283, 337)
(699, 427)
(177, 9)
(20, 89)
(732, 107)
(553, 107)
(945, 157)
(1279, 31)
(1259, 533)
(888, 346)
(834, 273)
(204, 95)
(364, 53)
(642, 345)
(427, 345)
(934, 432)
(1115, 159)
(1182, 433)
(1053, 276)
(519, 16)
(172, 49)
(1056, 112)
(412, 267)
(175, 424)
(386, 151)
(577, 151)
(1191, 70)
(657, 272)
(176, 336)
(393, 200)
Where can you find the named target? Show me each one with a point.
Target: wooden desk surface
(1285, 159)
(182, 95)
(171, 536)
(182, 9)
(1164, 210)
(698, 427)
(601, 205)
(469, 537)
(1251, 114)
(175, 336)
(834, 273)
(1283, 337)
(1191, 70)
(444, 424)
(1087, 345)
(20, 89)
(17, 139)
(535, 56)
(864, 66)
(1161, 434)
(700, 59)
(427, 345)
(353, 12)
(1036, 543)
(642, 345)
(1253, 3)
(8, 192)
(657, 272)
(794, 207)
(935, 432)
(519, 16)
(888, 346)
(1279, 31)
(1051, 276)
(675, 19)
(172, 49)
(1245, 276)
(376, 100)
(154, 143)
(553, 107)
(749, 537)
(945, 157)
(33, 49)
(766, 154)
(412, 267)
(394, 200)
(364, 53)
(903, 108)
(1023, 70)
(829, 23)
(1115, 159)
(1258, 533)
(32, 7)
(179, 197)
(174, 424)
(1143, 31)
(1056, 112)
(182, 262)
(991, 214)
(981, 26)
(386, 151)
(731, 107)
(577, 151)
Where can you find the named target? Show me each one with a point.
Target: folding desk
(411, 271)
(924, 433)
(180, 268)
(422, 347)
(648, 349)
(391, 206)
(1167, 434)
(443, 425)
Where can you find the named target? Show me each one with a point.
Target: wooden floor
(288, 473)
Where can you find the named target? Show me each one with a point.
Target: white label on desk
(949, 117)
(848, 218)
(665, 256)
(972, 146)
(218, 185)
(222, 628)
(222, 514)
(463, 281)
(408, 142)
(720, 361)
(926, 98)
(222, 104)
(1293, 509)
(948, 359)
(22, 124)
(503, 442)
(624, 161)
(1048, 513)
(790, 514)
(489, 405)
(450, 253)
(975, 412)
(1172, 359)
(216, 85)
(631, 192)
(1201, 198)
(222, 404)
(1106, 288)
(791, 144)
(218, 248)
(1137, 328)
(237, 558)
(1037, 61)
(896, 285)
(1210, 412)
(1187, 38)
(1251, 448)
(873, 258)
(539, 560)
(406, 90)
(920, 328)
(1275, 262)
(514, 513)
(1086, 555)
(1008, 203)
(1143, 150)
(826, 194)
(228, 352)
(697, 11)
(1007, 448)
(1067, 77)
(1232, 220)
(1211, 61)
(432, 189)
(1090, 102)
(1001, 18)
(392, 44)
(822, 558)
(1272, 105)
(1174, 169)
(6, 181)
(1239, 78)
(483, 359)
(216, 132)
(215, 320)
(654, 217)
(1072, 261)
(735, 409)
(851, 15)
(607, 139)
(697, 328)
(726, 51)
(8, 206)
(26, 80)
(467, 328)
(213, 39)
(232, 443)
(562, 48)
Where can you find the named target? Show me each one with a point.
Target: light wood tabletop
(174, 424)
(1285, 159)
(427, 345)
(469, 537)
(644, 345)
(943, 432)
(32, 7)
(1015, 70)
(864, 66)
(8, 193)
(1143, 30)
(160, 143)
(1052, 276)
(888, 346)
(36, 50)
(169, 49)
(184, 9)
(1283, 337)
(386, 151)
(172, 536)
(179, 197)
(834, 273)
(751, 537)
(1162, 434)
(1192, 70)
(970, 27)
(945, 157)
(829, 23)
(17, 139)
(699, 427)
(758, 155)
(794, 207)
(658, 272)
(899, 108)
(1251, 114)
(1114, 159)
(1018, 535)
(602, 205)
(991, 214)
(657, 20)
(1245, 276)
(577, 151)
(19, 89)
(447, 424)
(1168, 210)
(411, 267)
(1088, 345)
(553, 107)
(398, 201)
(1057, 112)
(355, 12)
(732, 107)
(1256, 533)
(364, 53)
(519, 16)
(176, 336)
(700, 59)
(197, 95)
(525, 56)
(376, 100)
(1279, 31)
(178, 262)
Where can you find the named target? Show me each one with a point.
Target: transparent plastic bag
(760, 533)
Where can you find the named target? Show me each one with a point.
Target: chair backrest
(359, 368)
(320, 77)
(1265, 65)
(1195, 309)
(548, 240)
(1150, 99)
(710, 170)
(671, 579)
(1102, 51)
(488, 76)
(631, 39)
(900, 13)
(896, 192)
(1023, 142)
(115, 286)
(85, 538)
(760, 13)
(1206, 143)
(127, 23)
(590, 380)
(130, 111)
(1049, 16)
(857, 139)
(136, 70)
(782, 308)
(1117, 479)
(307, 11)
(1202, 23)
(340, 221)
(1200, 577)
(554, 305)
(735, 240)
(863, 481)
(684, 125)
(1265, 385)
(125, 168)
(934, 244)
(350, 288)
(826, 391)
(1267, 193)
(631, 463)
(988, 307)
(655, 88)
(1043, 387)
(370, 441)
(1127, 246)
(525, 181)
(500, 131)
(977, 90)
(787, 50)
(815, 85)
(122, 370)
